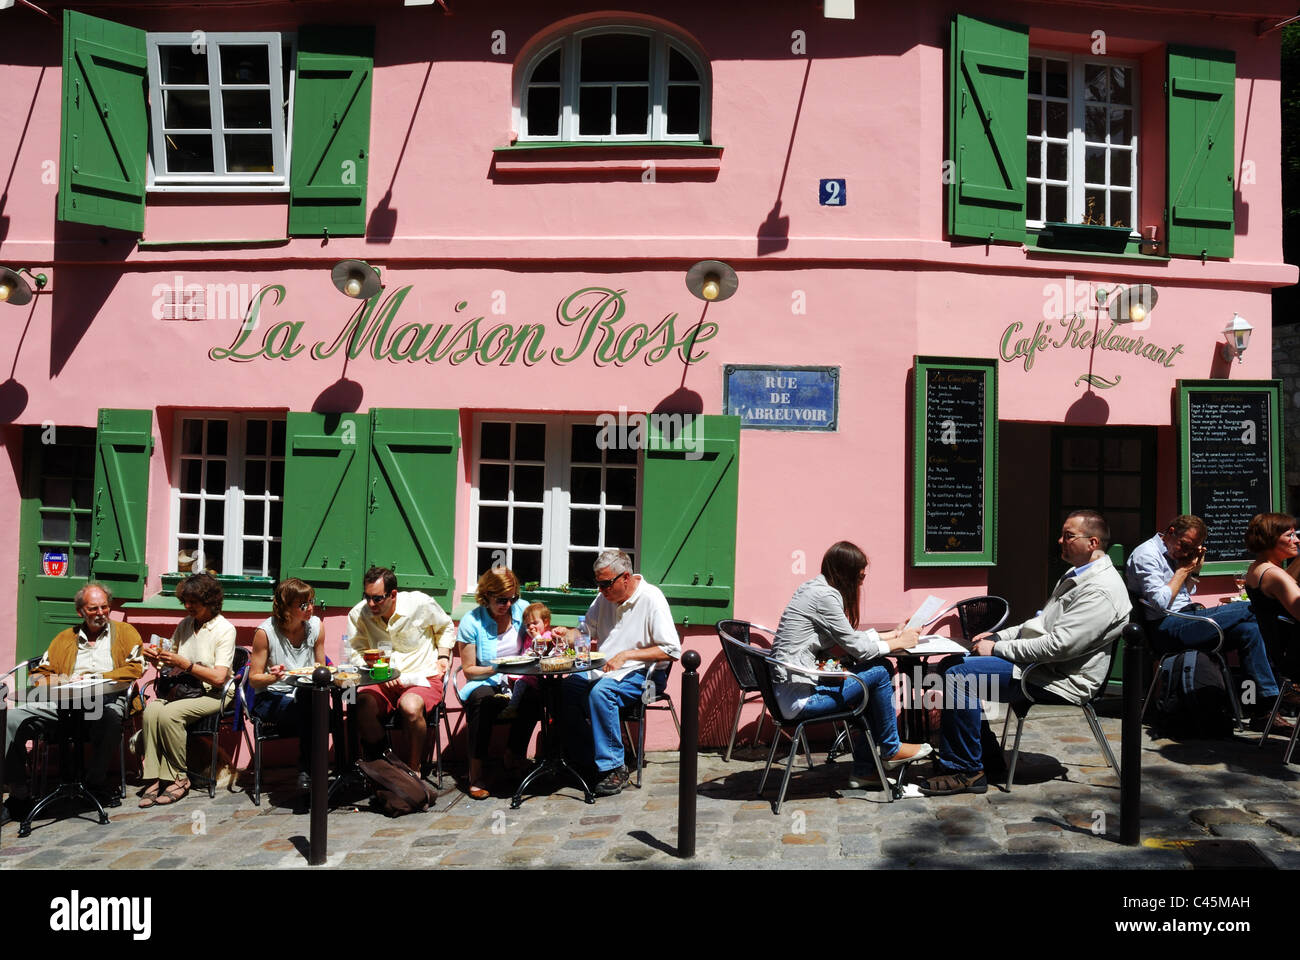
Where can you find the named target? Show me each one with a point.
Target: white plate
(513, 661)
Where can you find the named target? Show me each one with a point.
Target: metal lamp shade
(346, 270)
(1142, 295)
(19, 291)
(711, 270)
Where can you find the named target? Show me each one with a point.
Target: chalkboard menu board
(1230, 461)
(954, 462)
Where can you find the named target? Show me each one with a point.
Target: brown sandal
(150, 797)
(175, 792)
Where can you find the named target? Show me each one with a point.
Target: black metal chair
(212, 725)
(432, 756)
(265, 731)
(1029, 696)
(742, 672)
(977, 615)
(650, 700)
(1278, 635)
(762, 666)
(1214, 649)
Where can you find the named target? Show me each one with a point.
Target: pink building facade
(533, 183)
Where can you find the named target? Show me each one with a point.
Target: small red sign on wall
(54, 563)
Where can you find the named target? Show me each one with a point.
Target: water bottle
(582, 645)
(345, 651)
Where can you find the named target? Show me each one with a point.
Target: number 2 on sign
(833, 193)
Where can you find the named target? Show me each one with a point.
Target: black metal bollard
(1130, 762)
(320, 731)
(688, 764)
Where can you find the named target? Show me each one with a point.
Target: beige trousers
(164, 734)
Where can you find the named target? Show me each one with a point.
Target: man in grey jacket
(1070, 640)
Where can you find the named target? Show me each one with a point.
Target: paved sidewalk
(1209, 803)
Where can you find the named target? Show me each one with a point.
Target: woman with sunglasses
(492, 630)
(292, 638)
(1272, 588)
(823, 613)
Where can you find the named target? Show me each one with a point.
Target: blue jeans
(965, 681)
(881, 719)
(1240, 633)
(599, 700)
(291, 716)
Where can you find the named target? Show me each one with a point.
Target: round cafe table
(346, 752)
(553, 762)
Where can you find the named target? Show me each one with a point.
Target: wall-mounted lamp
(711, 280)
(14, 289)
(356, 279)
(1237, 337)
(1132, 305)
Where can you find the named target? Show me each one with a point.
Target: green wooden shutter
(324, 530)
(105, 123)
(1201, 165)
(117, 537)
(331, 131)
(414, 469)
(688, 517)
(988, 97)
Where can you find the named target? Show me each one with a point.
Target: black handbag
(184, 686)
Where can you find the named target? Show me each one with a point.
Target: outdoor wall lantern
(1130, 306)
(14, 289)
(356, 279)
(1237, 337)
(711, 280)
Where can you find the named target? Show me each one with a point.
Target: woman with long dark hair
(824, 613)
(1272, 588)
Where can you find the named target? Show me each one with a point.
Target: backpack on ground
(1190, 698)
(398, 788)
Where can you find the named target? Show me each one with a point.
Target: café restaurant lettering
(592, 316)
(1074, 334)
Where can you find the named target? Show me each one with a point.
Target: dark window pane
(255, 477)
(277, 517)
(615, 57)
(528, 525)
(273, 570)
(277, 438)
(527, 565)
(543, 111)
(214, 517)
(586, 440)
(188, 153)
(684, 110)
(1035, 75)
(1120, 490)
(1079, 487)
(530, 441)
(493, 481)
(1057, 155)
(633, 111)
(492, 524)
(1094, 124)
(216, 478)
(1121, 85)
(191, 476)
(1056, 204)
(83, 529)
(1058, 120)
(186, 110)
(594, 111)
(276, 486)
(249, 153)
(1121, 125)
(584, 484)
(1035, 208)
(548, 71)
(620, 487)
(494, 441)
(183, 65)
(189, 522)
(1094, 165)
(488, 557)
(245, 64)
(530, 484)
(1121, 210)
(1094, 207)
(1058, 78)
(1080, 453)
(254, 516)
(580, 575)
(255, 438)
(83, 491)
(626, 453)
(1121, 168)
(192, 436)
(584, 528)
(246, 109)
(1033, 159)
(252, 558)
(620, 529)
(1035, 124)
(217, 430)
(56, 492)
(81, 563)
(59, 461)
(1096, 82)
(679, 68)
(213, 553)
(55, 526)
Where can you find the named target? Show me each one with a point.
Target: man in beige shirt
(418, 631)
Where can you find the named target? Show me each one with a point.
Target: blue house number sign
(832, 193)
(782, 398)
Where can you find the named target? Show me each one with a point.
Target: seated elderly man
(99, 647)
(633, 626)
(1070, 638)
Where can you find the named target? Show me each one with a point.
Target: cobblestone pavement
(1206, 803)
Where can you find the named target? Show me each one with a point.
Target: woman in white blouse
(203, 648)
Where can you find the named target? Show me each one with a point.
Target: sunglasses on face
(504, 601)
(606, 584)
(374, 598)
(306, 605)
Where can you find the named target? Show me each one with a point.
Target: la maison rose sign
(591, 322)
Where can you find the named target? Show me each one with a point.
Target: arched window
(614, 83)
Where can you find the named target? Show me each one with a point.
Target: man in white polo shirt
(631, 622)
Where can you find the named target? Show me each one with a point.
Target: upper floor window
(614, 84)
(1082, 157)
(219, 108)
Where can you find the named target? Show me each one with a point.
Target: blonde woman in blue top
(492, 630)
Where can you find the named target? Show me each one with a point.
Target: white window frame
(1077, 142)
(234, 497)
(278, 46)
(570, 86)
(556, 545)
